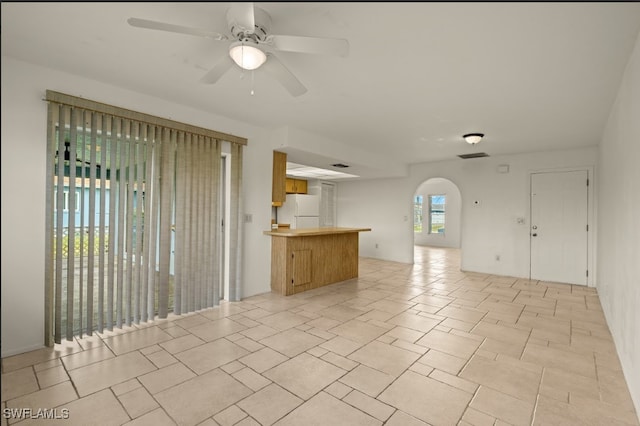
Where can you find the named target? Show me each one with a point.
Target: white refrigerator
(300, 211)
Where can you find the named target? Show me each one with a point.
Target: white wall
(451, 235)
(488, 229)
(23, 149)
(386, 206)
(619, 231)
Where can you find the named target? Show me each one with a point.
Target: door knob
(534, 235)
(534, 227)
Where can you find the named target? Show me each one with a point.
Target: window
(436, 213)
(65, 201)
(417, 214)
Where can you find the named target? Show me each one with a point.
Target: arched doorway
(437, 214)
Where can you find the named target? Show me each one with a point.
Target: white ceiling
(531, 76)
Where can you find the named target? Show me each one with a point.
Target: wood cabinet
(301, 267)
(304, 259)
(296, 186)
(278, 188)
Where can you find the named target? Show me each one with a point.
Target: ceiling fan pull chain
(252, 83)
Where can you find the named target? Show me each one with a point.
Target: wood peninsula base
(304, 259)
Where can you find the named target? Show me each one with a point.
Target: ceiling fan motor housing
(258, 34)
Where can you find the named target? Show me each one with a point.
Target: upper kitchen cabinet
(278, 190)
(296, 186)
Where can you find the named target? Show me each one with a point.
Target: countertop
(285, 232)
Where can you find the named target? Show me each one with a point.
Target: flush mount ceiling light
(473, 138)
(247, 55)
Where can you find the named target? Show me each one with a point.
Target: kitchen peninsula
(304, 259)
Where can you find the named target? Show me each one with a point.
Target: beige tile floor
(401, 345)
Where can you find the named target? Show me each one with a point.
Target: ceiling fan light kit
(247, 55)
(473, 138)
(252, 44)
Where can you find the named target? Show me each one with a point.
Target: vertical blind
(133, 217)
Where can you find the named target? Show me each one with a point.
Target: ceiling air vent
(340, 165)
(474, 155)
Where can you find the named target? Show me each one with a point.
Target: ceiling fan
(252, 44)
(67, 155)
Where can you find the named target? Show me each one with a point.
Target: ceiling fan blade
(242, 15)
(88, 163)
(217, 71)
(315, 45)
(275, 68)
(163, 26)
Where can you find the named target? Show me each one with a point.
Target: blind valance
(114, 111)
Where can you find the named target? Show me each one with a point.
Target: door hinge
(587, 228)
(291, 280)
(587, 272)
(292, 255)
(587, 182)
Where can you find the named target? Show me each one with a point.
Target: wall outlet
(497, 258)
(376, 245)
(248, 218)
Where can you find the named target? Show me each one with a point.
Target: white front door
(559, 226)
